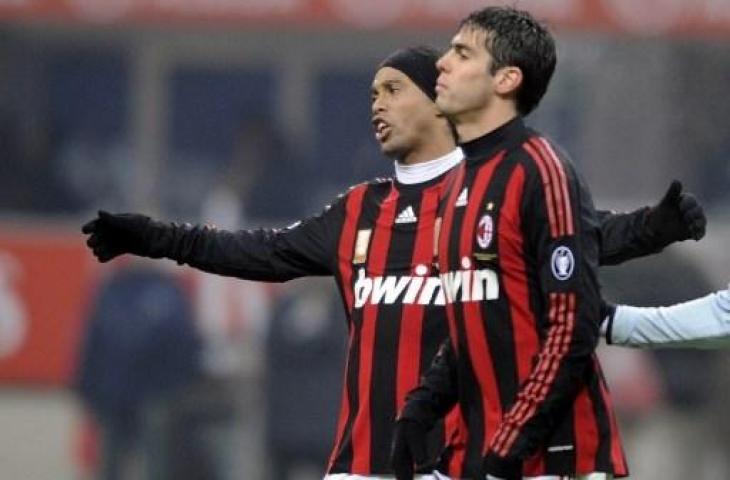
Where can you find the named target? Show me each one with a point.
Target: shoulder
(375, 186)
(358, 191)
(541, 156)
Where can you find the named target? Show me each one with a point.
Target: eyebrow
(385, 83)
(460, 46)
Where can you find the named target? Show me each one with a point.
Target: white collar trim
(425, 171)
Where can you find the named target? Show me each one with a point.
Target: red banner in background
(643, 17)
(44, 282)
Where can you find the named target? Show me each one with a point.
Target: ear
(507, 80)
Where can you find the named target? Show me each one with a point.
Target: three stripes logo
(463, 198)
(407, 216)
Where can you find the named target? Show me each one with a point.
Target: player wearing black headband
(377, 240)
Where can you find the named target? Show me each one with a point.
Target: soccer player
(377, 240)
(518, 257)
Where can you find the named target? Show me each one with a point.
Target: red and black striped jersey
(394, 302)
(377, 240)
(518, 254)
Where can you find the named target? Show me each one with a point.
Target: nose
(377, 105)
(441, 63)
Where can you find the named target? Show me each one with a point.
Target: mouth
(440, 85)
(382, 129)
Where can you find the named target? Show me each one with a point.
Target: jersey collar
(426, 171)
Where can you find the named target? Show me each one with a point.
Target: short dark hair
(515, 38)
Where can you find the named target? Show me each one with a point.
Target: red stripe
(535, 465)
(344, 407)
(585, 433)
(550, 363)
(457, 436)
(563, 184)
(444, 237)
(411, 323)
(617, 454)
(554, 184)
(559, 182)
(361, 434)
(353, 208)
(547, 190)
(514, 275)
(476, 335)
(556, 311)
(443, 245)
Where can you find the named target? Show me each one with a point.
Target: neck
(427, 152)
(478, 123)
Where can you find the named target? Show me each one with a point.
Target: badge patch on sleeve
(562, 262)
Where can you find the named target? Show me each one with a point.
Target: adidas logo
(407, 216)
(463, 198)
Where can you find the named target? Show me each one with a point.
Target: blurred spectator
(27, 184)
(304, 351)
(140, 352)
(270, 178)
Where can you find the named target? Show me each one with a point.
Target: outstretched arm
(700, 323)
(303, 249)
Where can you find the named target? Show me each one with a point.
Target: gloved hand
(409, 448)
(678, 216)
(115, 234)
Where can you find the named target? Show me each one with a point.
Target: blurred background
(256, 113)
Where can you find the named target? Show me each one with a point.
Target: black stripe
(387, 333)
(562, 461)
(367, 217)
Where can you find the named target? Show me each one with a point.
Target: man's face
(465, 84)
(402, 115)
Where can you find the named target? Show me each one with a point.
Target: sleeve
(703, 323)
(561, 241)
(306, 248)
(624, 236)
(437, 393)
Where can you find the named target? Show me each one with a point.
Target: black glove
(409, 448)
(678, 216)
(115, 234)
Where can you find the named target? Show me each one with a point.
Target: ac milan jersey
(396, 316)
(377, 240)
(518, 254)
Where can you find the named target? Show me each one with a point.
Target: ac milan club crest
(485, 232)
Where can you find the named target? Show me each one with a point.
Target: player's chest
(479, 216)
(395, 233)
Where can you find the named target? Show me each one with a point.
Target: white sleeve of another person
(700, 323)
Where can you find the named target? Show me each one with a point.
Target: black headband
(419, 64)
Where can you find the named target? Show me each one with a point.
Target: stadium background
(255, 112)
